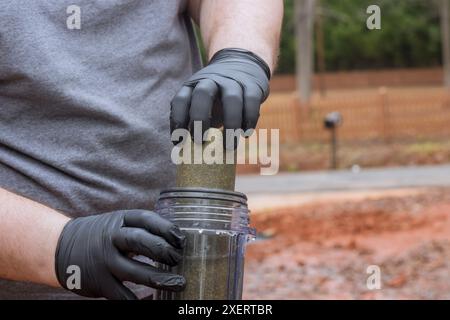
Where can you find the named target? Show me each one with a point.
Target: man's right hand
(101, 247)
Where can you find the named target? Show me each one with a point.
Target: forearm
(29, 233)
(253, 25)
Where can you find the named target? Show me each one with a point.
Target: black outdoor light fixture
(331, 122)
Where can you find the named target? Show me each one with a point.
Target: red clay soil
(321, 251)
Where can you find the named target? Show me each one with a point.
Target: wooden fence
(364, 79)
(369, 114)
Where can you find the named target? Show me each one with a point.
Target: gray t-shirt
(84, 113)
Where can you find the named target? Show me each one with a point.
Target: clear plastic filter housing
(216, 225)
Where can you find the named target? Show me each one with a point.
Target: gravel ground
(322, 250)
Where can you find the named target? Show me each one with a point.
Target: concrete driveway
(365, 179)
(294, 189)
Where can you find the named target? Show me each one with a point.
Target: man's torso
(84, 113)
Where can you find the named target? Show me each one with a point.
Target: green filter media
(208, 174)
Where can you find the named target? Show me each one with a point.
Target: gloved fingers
(140, 273)
(156, 225)
(115, 290)
(179, 109)
(233, 104)
(217, 114)
(252, 103)
(202, 102)
(143, 243)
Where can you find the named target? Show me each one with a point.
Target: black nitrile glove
(237, 78)
(101, 246)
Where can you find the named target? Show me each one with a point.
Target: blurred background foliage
(409, 35)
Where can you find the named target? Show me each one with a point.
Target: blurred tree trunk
(320, 46)
(304, 17)
(445, 32)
